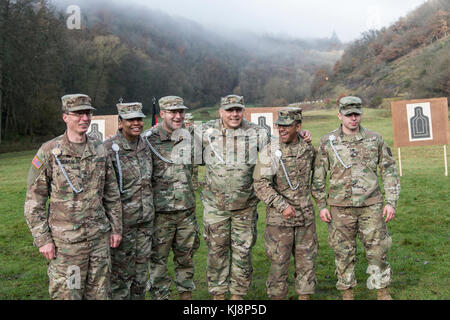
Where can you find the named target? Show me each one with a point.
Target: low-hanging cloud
(294, 18)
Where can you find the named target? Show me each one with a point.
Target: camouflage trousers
(81, 270)
(280, 243)
(368, 224)
(130, 263)
(176, 230)
(230, 243)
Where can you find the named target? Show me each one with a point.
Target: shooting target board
(103, 127)
(264, 117)
(420, 122)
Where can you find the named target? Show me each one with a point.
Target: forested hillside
(135, 53)
(410, 59)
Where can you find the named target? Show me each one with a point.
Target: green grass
(419, 256)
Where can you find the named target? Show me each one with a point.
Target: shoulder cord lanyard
(56, 151)
(148, 134)
(278, 154)
(116, 149)
(331, 139)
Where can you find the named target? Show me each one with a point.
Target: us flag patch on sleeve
(36, 162)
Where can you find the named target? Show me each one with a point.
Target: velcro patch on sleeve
(37, 163)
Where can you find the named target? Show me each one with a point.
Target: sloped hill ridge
(410, 59)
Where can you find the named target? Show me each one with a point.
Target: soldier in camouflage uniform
(228, 198)
(175, 223)
(132, 161)
(84, 217)
(230, 147)
(282, 181)
(189, 122)
(352, 154)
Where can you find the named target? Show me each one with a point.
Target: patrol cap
(348, 105)
(76, 102)
(188, 118)
(232, 101)
(171, 103)
(130, 110)
(287, 116)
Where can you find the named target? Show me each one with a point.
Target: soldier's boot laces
(218, 297)
(186, 295)
(236, 297)
(348, 294)
(383, 294)
(304, 297)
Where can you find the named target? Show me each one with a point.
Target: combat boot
(236, 297)
(218, 297)
(383, 294)
(186, 295)
(304, 297)
(347, 294)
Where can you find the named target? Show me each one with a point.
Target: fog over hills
(212, 63)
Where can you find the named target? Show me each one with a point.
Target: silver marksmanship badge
(56, 151)
(115, 147)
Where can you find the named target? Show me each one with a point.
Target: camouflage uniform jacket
(136, 166)
(172, 182)
(272, 187)
(72, 217)
(358, 185)
(229, 185)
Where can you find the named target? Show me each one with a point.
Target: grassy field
(419, 256)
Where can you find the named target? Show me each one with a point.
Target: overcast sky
(296, 18)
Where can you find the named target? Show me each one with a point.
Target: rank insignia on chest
(36, 162)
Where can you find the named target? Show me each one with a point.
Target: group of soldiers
(116, 209)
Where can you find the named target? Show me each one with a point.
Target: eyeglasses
(81, 113)
(174, 112)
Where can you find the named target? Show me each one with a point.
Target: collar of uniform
(89, 150)
(141, 144)
(290, 149)
(242, 126)
(164, 135)
(66, 147)
(351, 137)
(124, 141)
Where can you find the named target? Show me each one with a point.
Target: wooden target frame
(420, 122)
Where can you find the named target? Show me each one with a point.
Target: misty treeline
(370, 59)
(136, 54)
